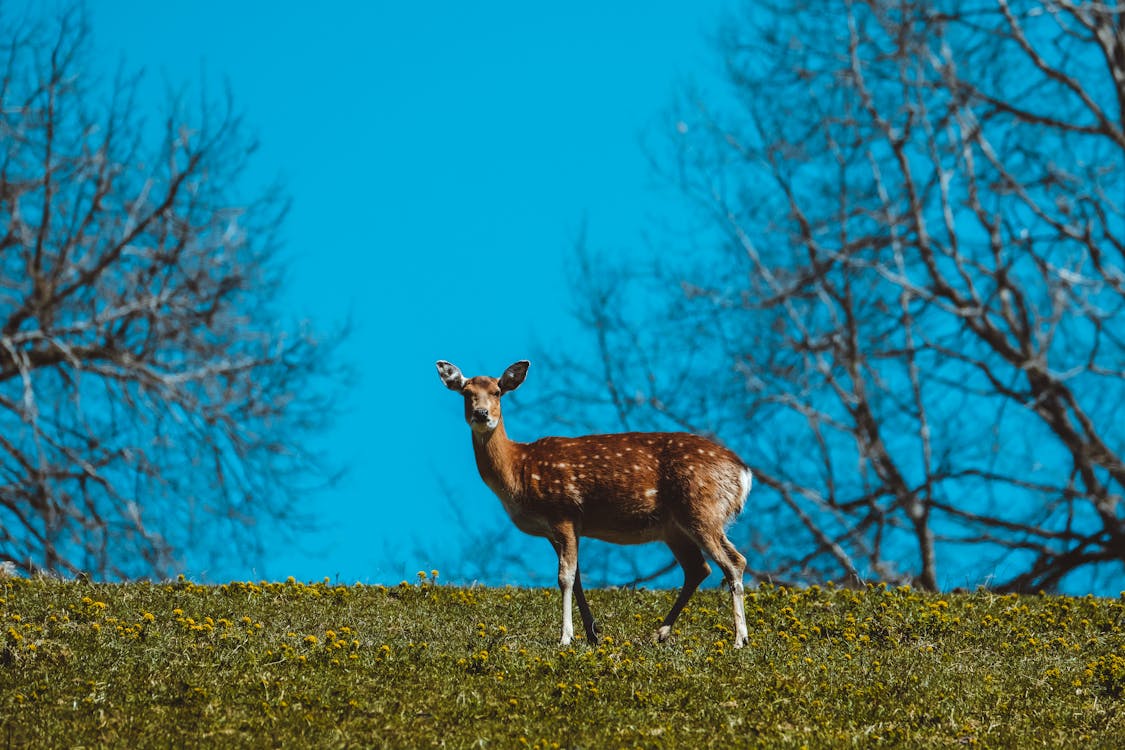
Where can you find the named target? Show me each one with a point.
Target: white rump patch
(746, 479)
(745, 482)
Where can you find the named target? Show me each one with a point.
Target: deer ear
(513, 376)
(450, 375)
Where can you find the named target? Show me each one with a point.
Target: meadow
(424, 665)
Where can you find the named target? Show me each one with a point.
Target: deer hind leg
(696, 570)
(733, 565)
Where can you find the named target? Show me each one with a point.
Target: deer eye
(496, 393)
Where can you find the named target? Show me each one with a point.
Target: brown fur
(626, 488)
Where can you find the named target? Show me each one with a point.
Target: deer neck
(497, 460)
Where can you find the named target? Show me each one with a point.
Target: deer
(626, 488)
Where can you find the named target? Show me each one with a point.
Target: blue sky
(442, 159)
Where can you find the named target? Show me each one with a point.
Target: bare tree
(153, 396)
(903, 300)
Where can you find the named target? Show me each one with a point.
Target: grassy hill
(422, 665)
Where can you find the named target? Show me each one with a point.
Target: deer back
(627, 487)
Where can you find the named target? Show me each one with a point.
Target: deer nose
(480, 415)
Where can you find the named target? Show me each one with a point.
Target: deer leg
(565, 542)
(733, 565)
(696, 571)
(588, 623)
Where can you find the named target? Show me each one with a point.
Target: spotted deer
(627, 488)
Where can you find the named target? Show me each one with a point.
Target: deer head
(482, 393)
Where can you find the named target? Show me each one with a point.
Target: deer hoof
(593, 634)
(664, 633)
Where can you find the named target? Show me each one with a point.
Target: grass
(423, 665)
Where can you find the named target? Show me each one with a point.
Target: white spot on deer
(536, 477)
(650, 493)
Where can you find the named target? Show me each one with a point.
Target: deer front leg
(584, 610)
(565, 542)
